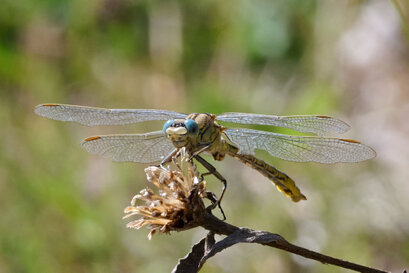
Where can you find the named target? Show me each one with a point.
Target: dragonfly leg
(199, 152)
(213, 198)
(168, 159)
(212, 170)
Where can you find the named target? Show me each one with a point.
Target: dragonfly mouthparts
(176, 131)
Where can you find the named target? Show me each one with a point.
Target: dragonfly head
(181, 131)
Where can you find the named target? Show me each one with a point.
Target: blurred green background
(61, 208)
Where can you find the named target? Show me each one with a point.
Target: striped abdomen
(283, 183)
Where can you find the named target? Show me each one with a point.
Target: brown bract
(174, 207)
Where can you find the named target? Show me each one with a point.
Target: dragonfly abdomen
(282, 181)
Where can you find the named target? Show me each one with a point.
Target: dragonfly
(199, 133)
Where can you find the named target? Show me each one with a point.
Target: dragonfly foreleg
(212, 170)
(199, 152)
(168, 159)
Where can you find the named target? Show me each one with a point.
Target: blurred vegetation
(62, 208)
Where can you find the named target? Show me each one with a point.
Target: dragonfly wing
(92, 116)
(319, 125)
(300, 148)
(142, 148)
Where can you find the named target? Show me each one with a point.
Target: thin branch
(208, 248)
(277, 241)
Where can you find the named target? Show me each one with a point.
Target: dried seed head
(174, 207)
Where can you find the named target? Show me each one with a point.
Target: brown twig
(207, 248)
(274, 240)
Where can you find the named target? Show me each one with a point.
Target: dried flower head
(174, 207)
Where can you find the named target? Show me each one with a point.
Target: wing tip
(41, 109)
(340, 126)
(45, 105)
(350, 140)
(92, 138)
(370, 152)
(49, 104)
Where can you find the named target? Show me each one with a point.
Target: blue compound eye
(192, 127)
(167, 124)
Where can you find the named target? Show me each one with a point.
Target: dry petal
(178, 197)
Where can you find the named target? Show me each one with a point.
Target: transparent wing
(92, 116)
(319, 125)
(300, 148)
(142, 148)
